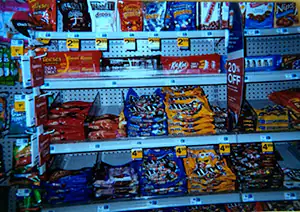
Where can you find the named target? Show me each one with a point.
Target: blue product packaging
(154, 15)
(169, 22)
(184, 15)
(263, 63)
(223, 63)
(259, 15)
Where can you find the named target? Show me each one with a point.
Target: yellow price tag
(224, 149)
(72, 43)
(101, 44)
(154, 43)
(181, 151)
(267, 147)
(19, 106)
(183, 43)
(129, 44)
(43, 40)
(17, 48)
(136, 154)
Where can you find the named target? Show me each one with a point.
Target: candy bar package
(290, 62)
(131, 15)
(210, 15)
(4, 115)
(71, 64)
(235, 207)
(259, 15)
(75, 15)
(243, 6)
(282, 206)
(103, 15)
(43, 14)
(201, 64)
(154, 15)
(286, 14)
(169, 23)
(224, 15)
(263, 63)
(184, 15)
(161, 172)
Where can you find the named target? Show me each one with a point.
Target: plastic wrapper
(210, 15)
(286, 14)
(259, 15)
(204, 64)
(75, 15)
(103, 15)
(131, 15)
(154, 15)
(43, 14)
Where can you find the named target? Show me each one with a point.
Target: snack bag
(286, 14)
(169, 23)
(43, 14)
(243, 10)
(210, 15)
(75, 15)
(154, 15)
(184, 15)
(224, 15)
(103, 15)
(290, 62)
(259, 15)
(131, 15)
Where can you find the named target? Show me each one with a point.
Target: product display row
(112, 16)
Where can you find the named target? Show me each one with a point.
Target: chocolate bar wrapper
(259, 15)
(286, 15)
(210, 15)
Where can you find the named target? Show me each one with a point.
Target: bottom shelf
(163, 202)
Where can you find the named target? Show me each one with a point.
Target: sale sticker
(136, 154)
(181, 151)
(267, 147)
(224, 149)
(72, 43)
(154, 43)
(183, 43)
(129, 44)
(102, 44)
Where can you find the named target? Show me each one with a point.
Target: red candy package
(201, 64)
(43, 14)
(131, 15)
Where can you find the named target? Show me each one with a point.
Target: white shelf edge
(163, 34)
(270, 196)
(205, 79)
(157, 142)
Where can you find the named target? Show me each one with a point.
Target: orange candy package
(131, 15)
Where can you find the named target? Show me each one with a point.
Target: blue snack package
(263, 63)
(259, 15)
(169, 23)
(154, 15)
(223, 63)
(184, 15)
(160, 169)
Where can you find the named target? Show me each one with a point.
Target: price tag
(103, 208)
(136, 154)
(282, 31)
(292, 76)
(181, 151)
(52, 149)
(154, 43)
(23, 192)
(266, 138)
(195, 201)
(129, 44)
(102, 44)
(43, 40)
(152, 203)
(72, 43)
(290, 196)
(19, 103)
(224, 149)
(17, 48)
(183, 43)
(267, 147)
(248, 198)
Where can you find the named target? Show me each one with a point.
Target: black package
(75, 15)
(290, 62)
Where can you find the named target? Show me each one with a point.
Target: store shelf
(146, 81)
(276, 31)
(130, 143)
(137, 35)
(268, 137)
(154, 142)
(270, 196)
(162, 35)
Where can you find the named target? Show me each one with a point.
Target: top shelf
(163, 34)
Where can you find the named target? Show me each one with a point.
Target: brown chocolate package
(286, 15)
(290, 62)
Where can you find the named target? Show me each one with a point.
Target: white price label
(170, 82)
(23, 192)
(73, 35)
(154, 43)
(246, 79)
(290, 196)
(195, 201)
(103, 208)
(101, 44)
(247, 197)
(129, 44)
(52, 149)
(94, 146)
(152, 203)
(292, 76)
(223, 139)
(266, 138)
(282, 31)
